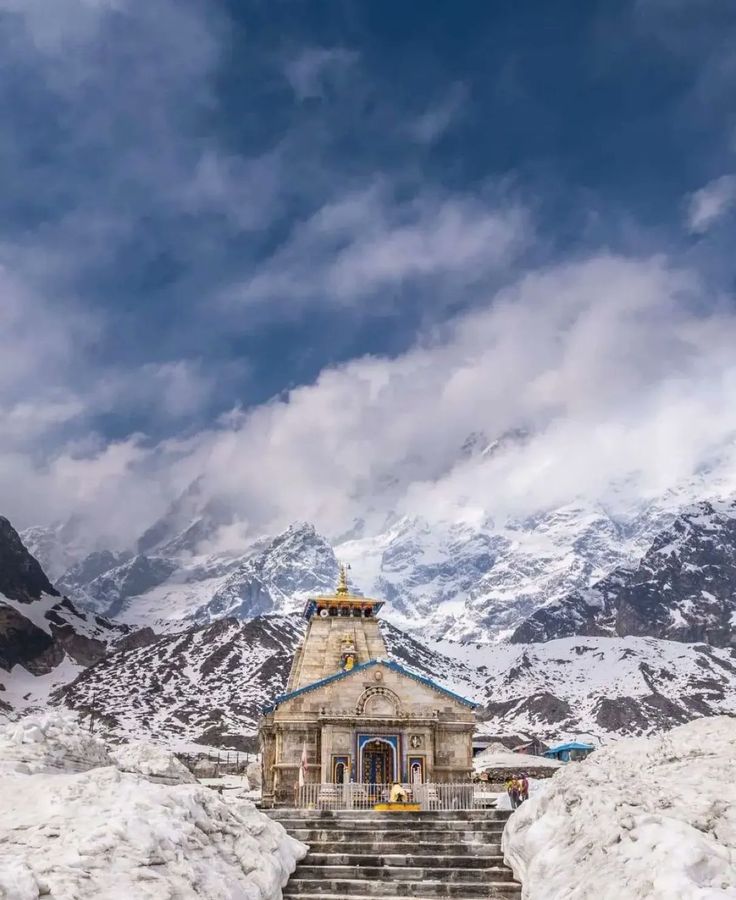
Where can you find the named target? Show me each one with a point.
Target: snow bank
(48, 743)
(507, 759)
(153, 762)
(646, 819)
(230, 783)
(112, 835)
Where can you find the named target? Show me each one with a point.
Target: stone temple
(351, 714)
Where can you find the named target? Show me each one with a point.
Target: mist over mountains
(472, 572)
(570, 621)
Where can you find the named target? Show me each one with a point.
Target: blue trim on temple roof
(389, 663)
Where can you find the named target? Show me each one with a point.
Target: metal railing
(366, 796)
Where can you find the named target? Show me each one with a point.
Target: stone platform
(426, 855)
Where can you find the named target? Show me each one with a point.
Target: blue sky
(207, 206)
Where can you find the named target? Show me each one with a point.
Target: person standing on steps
(512, 789)
(523, 788)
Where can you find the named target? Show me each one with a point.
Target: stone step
(398, 834)
(308, 835)
(404, 873)
(406, 848)
(365, 828)
(342, 816)
(414, 828)
(362, 855)
(477, 861)
(394, 825)
(299, 887)
(506, 892)
(368, 816)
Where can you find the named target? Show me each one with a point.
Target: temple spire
(342, 582)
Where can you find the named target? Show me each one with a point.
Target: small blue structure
(572, 751)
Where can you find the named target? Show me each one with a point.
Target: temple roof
(341, 599)
(389, 663)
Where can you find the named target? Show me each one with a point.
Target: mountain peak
(21, 576)
(683, 588)
(285, 570)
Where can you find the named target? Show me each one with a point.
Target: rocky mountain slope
(649, 644)
(603, 687)
(469, 580)
(683, 589)
(204, 686)
(43, 635)
(207, 685)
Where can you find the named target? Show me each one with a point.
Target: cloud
(120, 382)
(56, 24)
(436, 120)
(313, 69)
(610, 363)
(367, 242)
(711, 203)
(40, 342)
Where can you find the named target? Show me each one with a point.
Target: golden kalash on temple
(355, 727)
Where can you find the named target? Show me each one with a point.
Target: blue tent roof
(571, 745)
(389, 663)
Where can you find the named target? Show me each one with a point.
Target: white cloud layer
(311, 70)
(622, 369)
(625, 384)
(711, 203)
(367, 242)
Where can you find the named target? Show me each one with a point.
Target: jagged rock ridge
(684, 589)
(38, 627)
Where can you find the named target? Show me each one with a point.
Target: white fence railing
(366, 796)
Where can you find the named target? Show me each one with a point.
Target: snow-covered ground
(73, 825)
(647, 819)
(152, 762)
(495, 757)
(23, 691)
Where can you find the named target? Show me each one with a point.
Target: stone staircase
(365, 854)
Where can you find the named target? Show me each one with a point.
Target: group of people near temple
(517, 787)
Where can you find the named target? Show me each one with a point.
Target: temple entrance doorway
(378, 762)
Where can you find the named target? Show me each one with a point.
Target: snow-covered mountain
(478, 580)
(683, 589)
(45, 639)
(56, 546)
(272, 575)
(202, 686)
(628, 653)
(469, 571)
(471, 566)
(470, 580)
(278, 576)
(605, 687)
(207, 685)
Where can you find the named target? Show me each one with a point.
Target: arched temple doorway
(378, 761)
